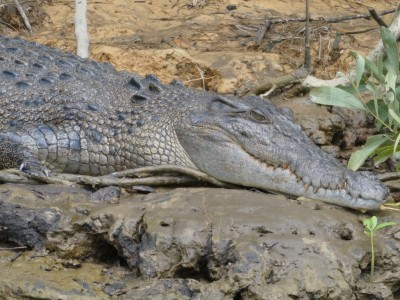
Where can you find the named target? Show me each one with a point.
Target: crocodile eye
(258, 117)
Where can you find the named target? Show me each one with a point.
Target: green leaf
(329, 95)
(351, 89)
(374, 90)
(384, 224)
(360, 66)
(397, 92)
(374, 70)
(390, 81)
(379, 64)
(374, 222)
(389, 43)
(382, 154)
(394, 116)
(367, 223)
(396, 144)
(358, 157)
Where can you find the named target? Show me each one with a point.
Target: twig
(261, 32)
(146, 171)
(23, 15)
(331, 20)
(359, 31)
(176, 3)
(375, 16)
(197, 79)
(8, 25)
(14, 248)
(246, 29)
(16, 256)
(201, 76)
(389, 176)
(307, 55)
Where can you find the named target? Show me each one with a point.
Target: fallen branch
(23, 15)
(278, 82)
(146, 176)
(148, 171)
(81, 33)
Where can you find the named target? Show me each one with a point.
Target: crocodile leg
(15, 154)
(34, 149)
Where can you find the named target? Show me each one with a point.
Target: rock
(108, 194)
(189, 243)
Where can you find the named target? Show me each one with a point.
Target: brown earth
(172, 40)
(216, 245)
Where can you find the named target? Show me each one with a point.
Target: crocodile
(66, 114)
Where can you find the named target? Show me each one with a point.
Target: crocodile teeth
(306, 185)
(315, 189)
(285, 166)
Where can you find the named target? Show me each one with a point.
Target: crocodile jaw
(357, 190)
(276, 157)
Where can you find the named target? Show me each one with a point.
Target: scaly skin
(66, 114)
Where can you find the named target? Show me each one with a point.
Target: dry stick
(146, 171)
(375, 16)
(307, 55)
(8, 25)
(332, 20)
(201, 76)
(81, 34)
(261, 32)
(185, 176)
(16, 256)
(14, 248)
(389, 176)
(176, 3)
(23, 15)
(279, 82)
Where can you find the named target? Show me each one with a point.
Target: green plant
(375, 88)
(371, 225)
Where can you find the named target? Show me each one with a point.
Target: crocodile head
(253, 143)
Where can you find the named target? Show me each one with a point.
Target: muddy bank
(189, 243)
(200, 243)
